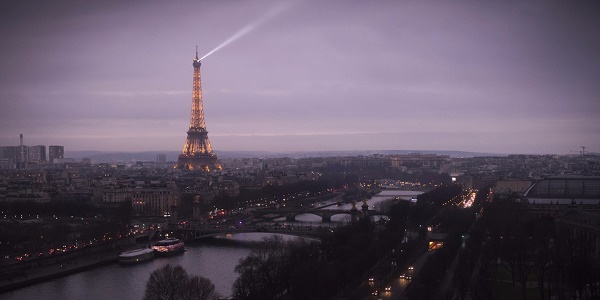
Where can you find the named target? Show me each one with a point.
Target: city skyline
(517, 77)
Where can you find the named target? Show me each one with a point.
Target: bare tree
(264, 273)
(174, 283)
(199, 288)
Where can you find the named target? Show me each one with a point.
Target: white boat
(136, 256)
(168, 247)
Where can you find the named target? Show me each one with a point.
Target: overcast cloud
(486, 76)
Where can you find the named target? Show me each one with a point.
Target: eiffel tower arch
(197, 153)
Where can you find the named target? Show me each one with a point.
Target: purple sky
(484, 76)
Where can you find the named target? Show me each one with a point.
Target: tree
(171, 283)
(398, 214)
(264, 273)
(313, 279)
(199, 288)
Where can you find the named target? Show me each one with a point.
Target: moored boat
(136, 256)
(169, 246)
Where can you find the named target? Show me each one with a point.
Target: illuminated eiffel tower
(197, 153)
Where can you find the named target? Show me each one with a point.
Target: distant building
(512, 186)
(366, 161)
(227, 188)
(112, 194)
(154, 199)
(406, 161)
(37, 153)
(55, 152)
(480, 181)
(419, 160)
(63, 160)
(22, 156)
(27, 196)
(161, 158)
(9, 152)
(465, 181)
(6, 163)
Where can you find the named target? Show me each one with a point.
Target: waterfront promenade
(22, 277)
(17, 275)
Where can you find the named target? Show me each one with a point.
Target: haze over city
(510, 77)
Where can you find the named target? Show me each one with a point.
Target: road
(397, 284)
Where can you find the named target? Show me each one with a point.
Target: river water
(373, 202)
(214, 260)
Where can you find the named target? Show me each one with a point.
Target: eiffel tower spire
(197, 154)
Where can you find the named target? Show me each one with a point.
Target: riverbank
(24, 277)
(36, 270)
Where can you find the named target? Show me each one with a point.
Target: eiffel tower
(197, 154)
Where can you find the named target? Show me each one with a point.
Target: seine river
(213, 260)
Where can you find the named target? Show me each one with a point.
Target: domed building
(570, 190)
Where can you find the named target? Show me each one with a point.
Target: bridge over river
(203, 231)
(325, 214)
(207, 230)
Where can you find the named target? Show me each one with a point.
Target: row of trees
(535, 250)
(40, 236)
(272, 268)
(510, 254)
(309, 270)
(304, 270)
(23, 210)
(32, 208)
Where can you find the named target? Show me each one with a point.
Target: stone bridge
(325, 214)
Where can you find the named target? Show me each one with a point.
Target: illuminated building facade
(197, 154)
(112, 194)
(154, 200)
